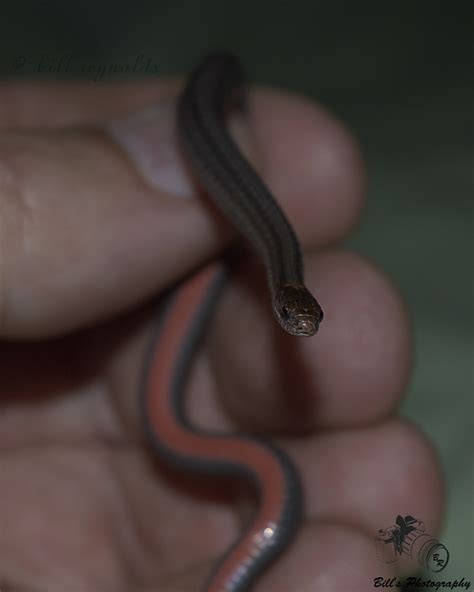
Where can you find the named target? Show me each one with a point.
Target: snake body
(213, 90)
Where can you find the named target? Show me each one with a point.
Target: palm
(83, 504)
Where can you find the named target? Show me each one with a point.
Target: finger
(356, 483)
(89, 228)
(345, 476)
(329, 557)
(291, 130)
(353, 372)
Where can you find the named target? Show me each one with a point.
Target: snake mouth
(307, 325)
(303, 325)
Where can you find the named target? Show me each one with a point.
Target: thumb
(94, 221)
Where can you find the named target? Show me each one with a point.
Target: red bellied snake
(214, 88)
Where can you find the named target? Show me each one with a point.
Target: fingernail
(150, 138)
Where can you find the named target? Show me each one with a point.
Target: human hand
(92, 225)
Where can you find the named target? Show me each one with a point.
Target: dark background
(399, 75)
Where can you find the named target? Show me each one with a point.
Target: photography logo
(408, 537)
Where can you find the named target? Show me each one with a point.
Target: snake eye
(285, 313)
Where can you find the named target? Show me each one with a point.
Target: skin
(85, 241)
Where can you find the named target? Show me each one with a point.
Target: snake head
(297, 311)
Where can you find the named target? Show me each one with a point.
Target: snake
(216, 89)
